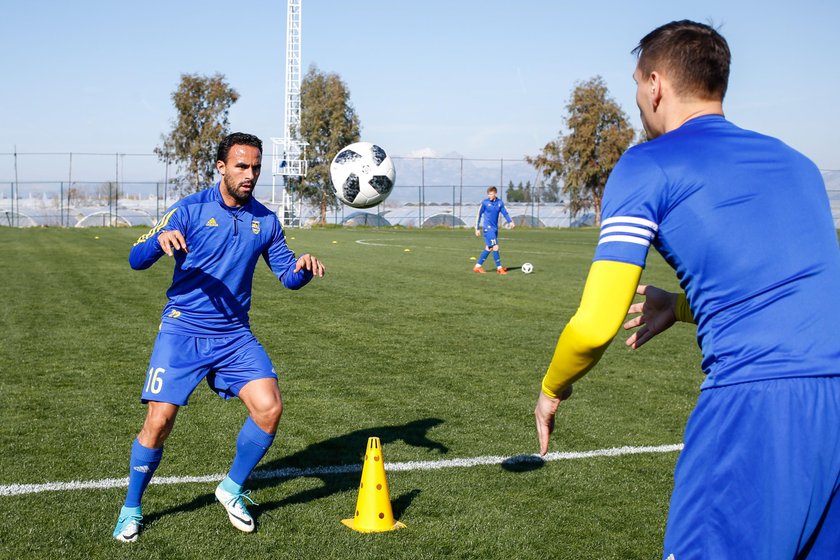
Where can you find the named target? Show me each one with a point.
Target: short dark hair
(239, 138)
(491, 189)
(694, 55)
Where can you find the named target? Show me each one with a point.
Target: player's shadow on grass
(343, 451)
(315, 461)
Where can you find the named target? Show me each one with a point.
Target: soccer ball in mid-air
(362, 175)
(527, 268)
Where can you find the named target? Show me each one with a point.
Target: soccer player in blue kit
(745, 222)
(216, 237)
(487, 224)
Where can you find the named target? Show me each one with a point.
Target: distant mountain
(439, 179)
(446, 178)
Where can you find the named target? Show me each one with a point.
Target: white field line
(371, 243)
(107, 483)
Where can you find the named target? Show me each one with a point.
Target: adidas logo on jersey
(212, 223)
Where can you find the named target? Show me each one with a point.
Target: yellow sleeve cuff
(682, 311)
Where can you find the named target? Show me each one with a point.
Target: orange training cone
(373, 507)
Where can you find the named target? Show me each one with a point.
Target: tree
(515, 194)
(202, 104)
(527, 193)
(599, 132)
(328, 122)
(550, 192)
(520, 192)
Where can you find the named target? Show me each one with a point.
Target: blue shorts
(180, 362)
(759, 476)
(490, 237)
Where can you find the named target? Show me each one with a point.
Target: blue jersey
(210, 293)
(745, 222)
(488, 214)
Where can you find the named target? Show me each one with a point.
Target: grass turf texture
(410, 346)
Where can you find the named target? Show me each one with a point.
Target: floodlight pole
(289, 152)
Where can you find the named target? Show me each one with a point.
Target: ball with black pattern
(362, 175)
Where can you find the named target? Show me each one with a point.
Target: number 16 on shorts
(154, 381)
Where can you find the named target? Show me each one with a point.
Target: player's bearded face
(240, 172)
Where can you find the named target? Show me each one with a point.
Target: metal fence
(45, 204)
(429, 192)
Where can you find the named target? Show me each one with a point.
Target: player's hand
(478, 233)
(512, 225)
(657, 314)
(544, 414)
(310, 263)
(171, 241)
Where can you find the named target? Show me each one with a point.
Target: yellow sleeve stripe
(607, 295)
(683, 311)
(161, 224)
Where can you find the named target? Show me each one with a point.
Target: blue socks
(497, 258)
(251, 446)
(482, 257)
(144, 461)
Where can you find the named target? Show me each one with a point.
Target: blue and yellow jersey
(488, 214)
(745, 222)
(210, 293)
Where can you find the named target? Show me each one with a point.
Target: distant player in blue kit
(487, 224)
(216, 237)
(745, 222)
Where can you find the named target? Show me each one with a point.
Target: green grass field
(400, 340)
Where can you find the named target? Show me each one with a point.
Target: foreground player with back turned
(487, 224)
(744, 220)
(216, 237)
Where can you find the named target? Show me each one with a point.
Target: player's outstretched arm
(606, 298)
(657, 313)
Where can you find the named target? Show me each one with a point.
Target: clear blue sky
(481, 78)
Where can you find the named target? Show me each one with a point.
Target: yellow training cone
(373, 507)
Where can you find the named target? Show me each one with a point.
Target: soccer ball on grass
(362, 175)
(527, 268)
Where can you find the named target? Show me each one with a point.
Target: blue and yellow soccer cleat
(128, 524)
(235, 507)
